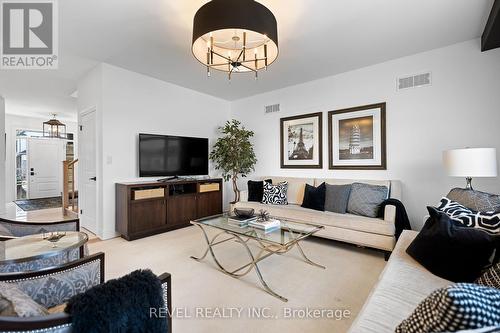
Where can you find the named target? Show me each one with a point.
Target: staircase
(69, 195)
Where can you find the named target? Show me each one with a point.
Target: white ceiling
(317, 38)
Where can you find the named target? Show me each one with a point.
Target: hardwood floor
(16, 214)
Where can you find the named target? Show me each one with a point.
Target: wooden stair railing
(69, 181)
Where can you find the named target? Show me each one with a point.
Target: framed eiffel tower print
(301, 142)
(356, 138)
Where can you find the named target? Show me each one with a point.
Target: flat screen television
(163, 155)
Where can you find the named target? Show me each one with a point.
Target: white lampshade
(471, 162)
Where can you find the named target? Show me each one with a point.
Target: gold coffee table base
(266, 250)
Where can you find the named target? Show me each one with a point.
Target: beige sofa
(403, 284)
(364, 231)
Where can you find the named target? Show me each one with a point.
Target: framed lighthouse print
(302, 141)
(356, 138)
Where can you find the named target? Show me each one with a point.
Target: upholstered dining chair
(55, 286)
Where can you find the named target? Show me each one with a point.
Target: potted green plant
(233, 153)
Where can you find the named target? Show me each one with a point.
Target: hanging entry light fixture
(53, 128)
(235, 36)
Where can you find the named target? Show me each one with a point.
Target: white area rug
(206, 300)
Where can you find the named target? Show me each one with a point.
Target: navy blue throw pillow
(450, 250)
(314, 197)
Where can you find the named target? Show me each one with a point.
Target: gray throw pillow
(337, 197)
(365, 199)
(475, 200)
(15, 303)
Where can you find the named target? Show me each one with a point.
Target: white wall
(12, 124)
(130, 103)
(460, 109)
(2, 155)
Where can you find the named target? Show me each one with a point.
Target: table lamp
(471, 162)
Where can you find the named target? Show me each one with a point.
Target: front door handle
(93, 178)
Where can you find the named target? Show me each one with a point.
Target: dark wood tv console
(147, 208)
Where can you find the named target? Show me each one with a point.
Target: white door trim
(81, 169)
(13, 154)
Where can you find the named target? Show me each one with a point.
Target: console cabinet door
(182, 209)
(209, 204)
(147, 215)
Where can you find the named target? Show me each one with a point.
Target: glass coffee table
(278, 241)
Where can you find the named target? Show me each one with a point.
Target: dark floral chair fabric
(55, 286)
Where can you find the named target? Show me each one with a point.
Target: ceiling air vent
(414, 81)
(272, 108)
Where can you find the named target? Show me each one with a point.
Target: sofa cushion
(296, 188)
(365, 199)
(337, 197)
(490, 278)
(401, 287)
(256, 189)
(475, 200)
(314, 197)
(346, 221)
(275, 194)
(15, 303)
(452, 251)
(457, 307)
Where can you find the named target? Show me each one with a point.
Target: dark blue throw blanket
(402, 220)
(120, 305)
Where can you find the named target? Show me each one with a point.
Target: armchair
(56, 286)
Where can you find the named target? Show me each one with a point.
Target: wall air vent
(272, 108)
(414, 81)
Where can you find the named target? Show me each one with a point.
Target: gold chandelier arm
(221, 64)
(239, 56)
(253, 60)
(244, 45)
(223, 57)
(253, 70)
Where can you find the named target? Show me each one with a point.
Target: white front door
(45, 157)
(88, 181)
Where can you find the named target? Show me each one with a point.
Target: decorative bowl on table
(244, 212)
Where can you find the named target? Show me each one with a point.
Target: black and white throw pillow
(275, 194)
(458, 307)
(490, 278)
(487, 221)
